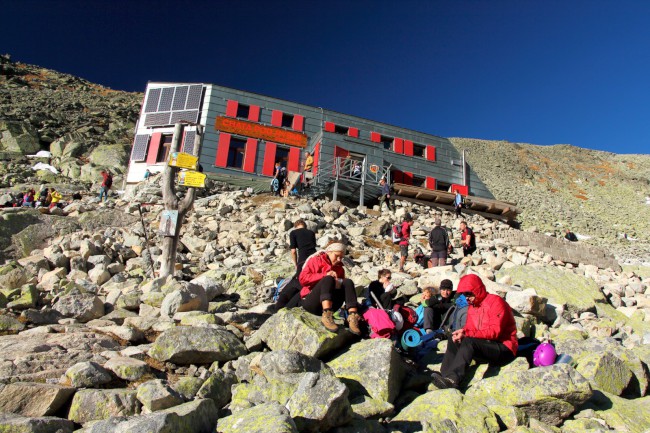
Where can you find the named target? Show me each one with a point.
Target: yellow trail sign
(192, 179)
(183, 160)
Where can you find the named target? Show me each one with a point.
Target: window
(236, 153)
(387, 142)
(341, 129)
(163, 150)
(419, 181)
(443, 186)
(287, 120)
(243, 111)
(418, 150)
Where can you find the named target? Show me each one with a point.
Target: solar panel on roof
(188, 115)
(152, 101)
(179, 98)
(166, 99)
(157, 119)
(188, 145)
(140, 147)
(194, 97)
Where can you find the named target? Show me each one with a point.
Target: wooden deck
(486, 207)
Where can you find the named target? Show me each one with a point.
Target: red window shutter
(315, 155)
(298, 122)
(431, 183)
(398, 177)
(154, 144)
(254, 113)
(269, 159)
(431, 153)
(249, 155)
(408, 178)
(398, 145)
(353, 132)
(329, 127)
(276, 118)
(408, 147)
(462, 189)
(231, 108)
(222, 150)
(375, 137)
(294, 159)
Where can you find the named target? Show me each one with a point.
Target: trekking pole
(146, 238)
(376, 300)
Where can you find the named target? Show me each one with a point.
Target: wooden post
(171, 202)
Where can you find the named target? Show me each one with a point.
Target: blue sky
(541, 72)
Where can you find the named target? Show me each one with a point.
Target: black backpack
(109, 181)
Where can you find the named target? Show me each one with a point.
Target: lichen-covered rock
(12, 423)
(371, 367)
(157, 394)
(127, 368)
(82, 306)
(217, 387)
(444, 410)
(208, 280)
(623, 415)
(87, 375)
(27, 299)
(20, 137)
(188, 386)
(10, 325)
(549, 394)
(33, 399)
(187, 345)
(299, 330)
(319, 403)
(559, 286)
(526, 302)
(605, 372)
(97, 404)
(265, 418)
(12, 276)
(190, 297)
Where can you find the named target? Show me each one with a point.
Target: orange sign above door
(263, 132)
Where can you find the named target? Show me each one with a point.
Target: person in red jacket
(404, 243)
(489, 334)
(325, 288)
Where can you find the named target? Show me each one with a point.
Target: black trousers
(325, 290)
(432, 318)
(459, 356)
(467, 251)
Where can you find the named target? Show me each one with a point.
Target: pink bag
(380, 324)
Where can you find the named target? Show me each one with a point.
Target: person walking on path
(404, 243)
(325, 288)
(439, 243)
(302, 243)
(384, 196)
(490, 333)
(107, 182)
(467, 239)
(458, 203)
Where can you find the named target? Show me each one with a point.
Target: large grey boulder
(210, 283)
(605, 372)
(190, 297)
(19, 137)
(87, 375)
(549, 394)
(299, 330)
(33, 399)
(157, 394)
(13, 423)
(217, 387)
(444, 411)
(188, 345)
(371, 367)
(97, 404)
(265, 418)
(526, 302)
(127, 368)
(81, 306)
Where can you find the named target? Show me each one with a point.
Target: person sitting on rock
(55, 198)
(28, 199)
(490, 334)
(383, 290)
(325, 288)
(436, 305)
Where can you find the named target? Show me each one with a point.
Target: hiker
(421, 259)
(404, 243)
(302, 243)
(28, 199)
(467, 239)
(382, 288)
(307, 173)
(436, 305)
(54, 198)
(41, 200)
(147, 173)
(490, 334)
(107, 182)
(458, 204)
(279, 174)
(384, 195)
(570, 236)
(439, 243)
(325, 288)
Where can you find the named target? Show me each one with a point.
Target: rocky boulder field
(93, 341)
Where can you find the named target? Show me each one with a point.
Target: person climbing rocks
(325, 288)
(407, 223)
(490, 333)
(384, 195)
(467, 239)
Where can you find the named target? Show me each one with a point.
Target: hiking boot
(442, 382)
(353, 323)
(328, 321)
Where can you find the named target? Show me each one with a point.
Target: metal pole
(363, 181)
(464, 170)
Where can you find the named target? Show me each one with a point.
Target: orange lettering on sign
(263, 132)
